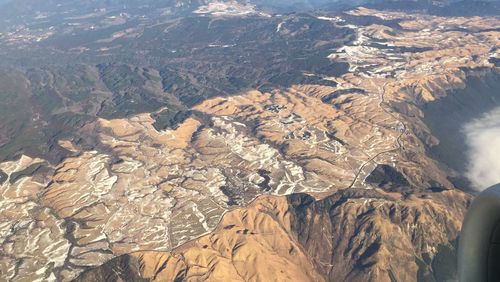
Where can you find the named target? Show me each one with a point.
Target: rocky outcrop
(353, 235)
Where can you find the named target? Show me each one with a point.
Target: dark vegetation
(264, 185)
(3, 177)
(388, 178)
(170, 118)
(50, 92)
(337, 93)
(29, 171)
(447, 116)
(442, 267)
(233, 198)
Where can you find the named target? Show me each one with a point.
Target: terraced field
(171, 142)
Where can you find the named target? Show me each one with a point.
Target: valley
(184, 144)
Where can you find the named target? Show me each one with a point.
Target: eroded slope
(141, 188)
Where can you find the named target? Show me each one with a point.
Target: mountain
(355, 235)
(183, 140)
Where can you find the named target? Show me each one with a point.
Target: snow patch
(226, 8)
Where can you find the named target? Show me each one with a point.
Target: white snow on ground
(280, 25)
(334, 19)
(226, 8)
(221, 46)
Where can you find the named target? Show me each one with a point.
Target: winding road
(398, 140)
